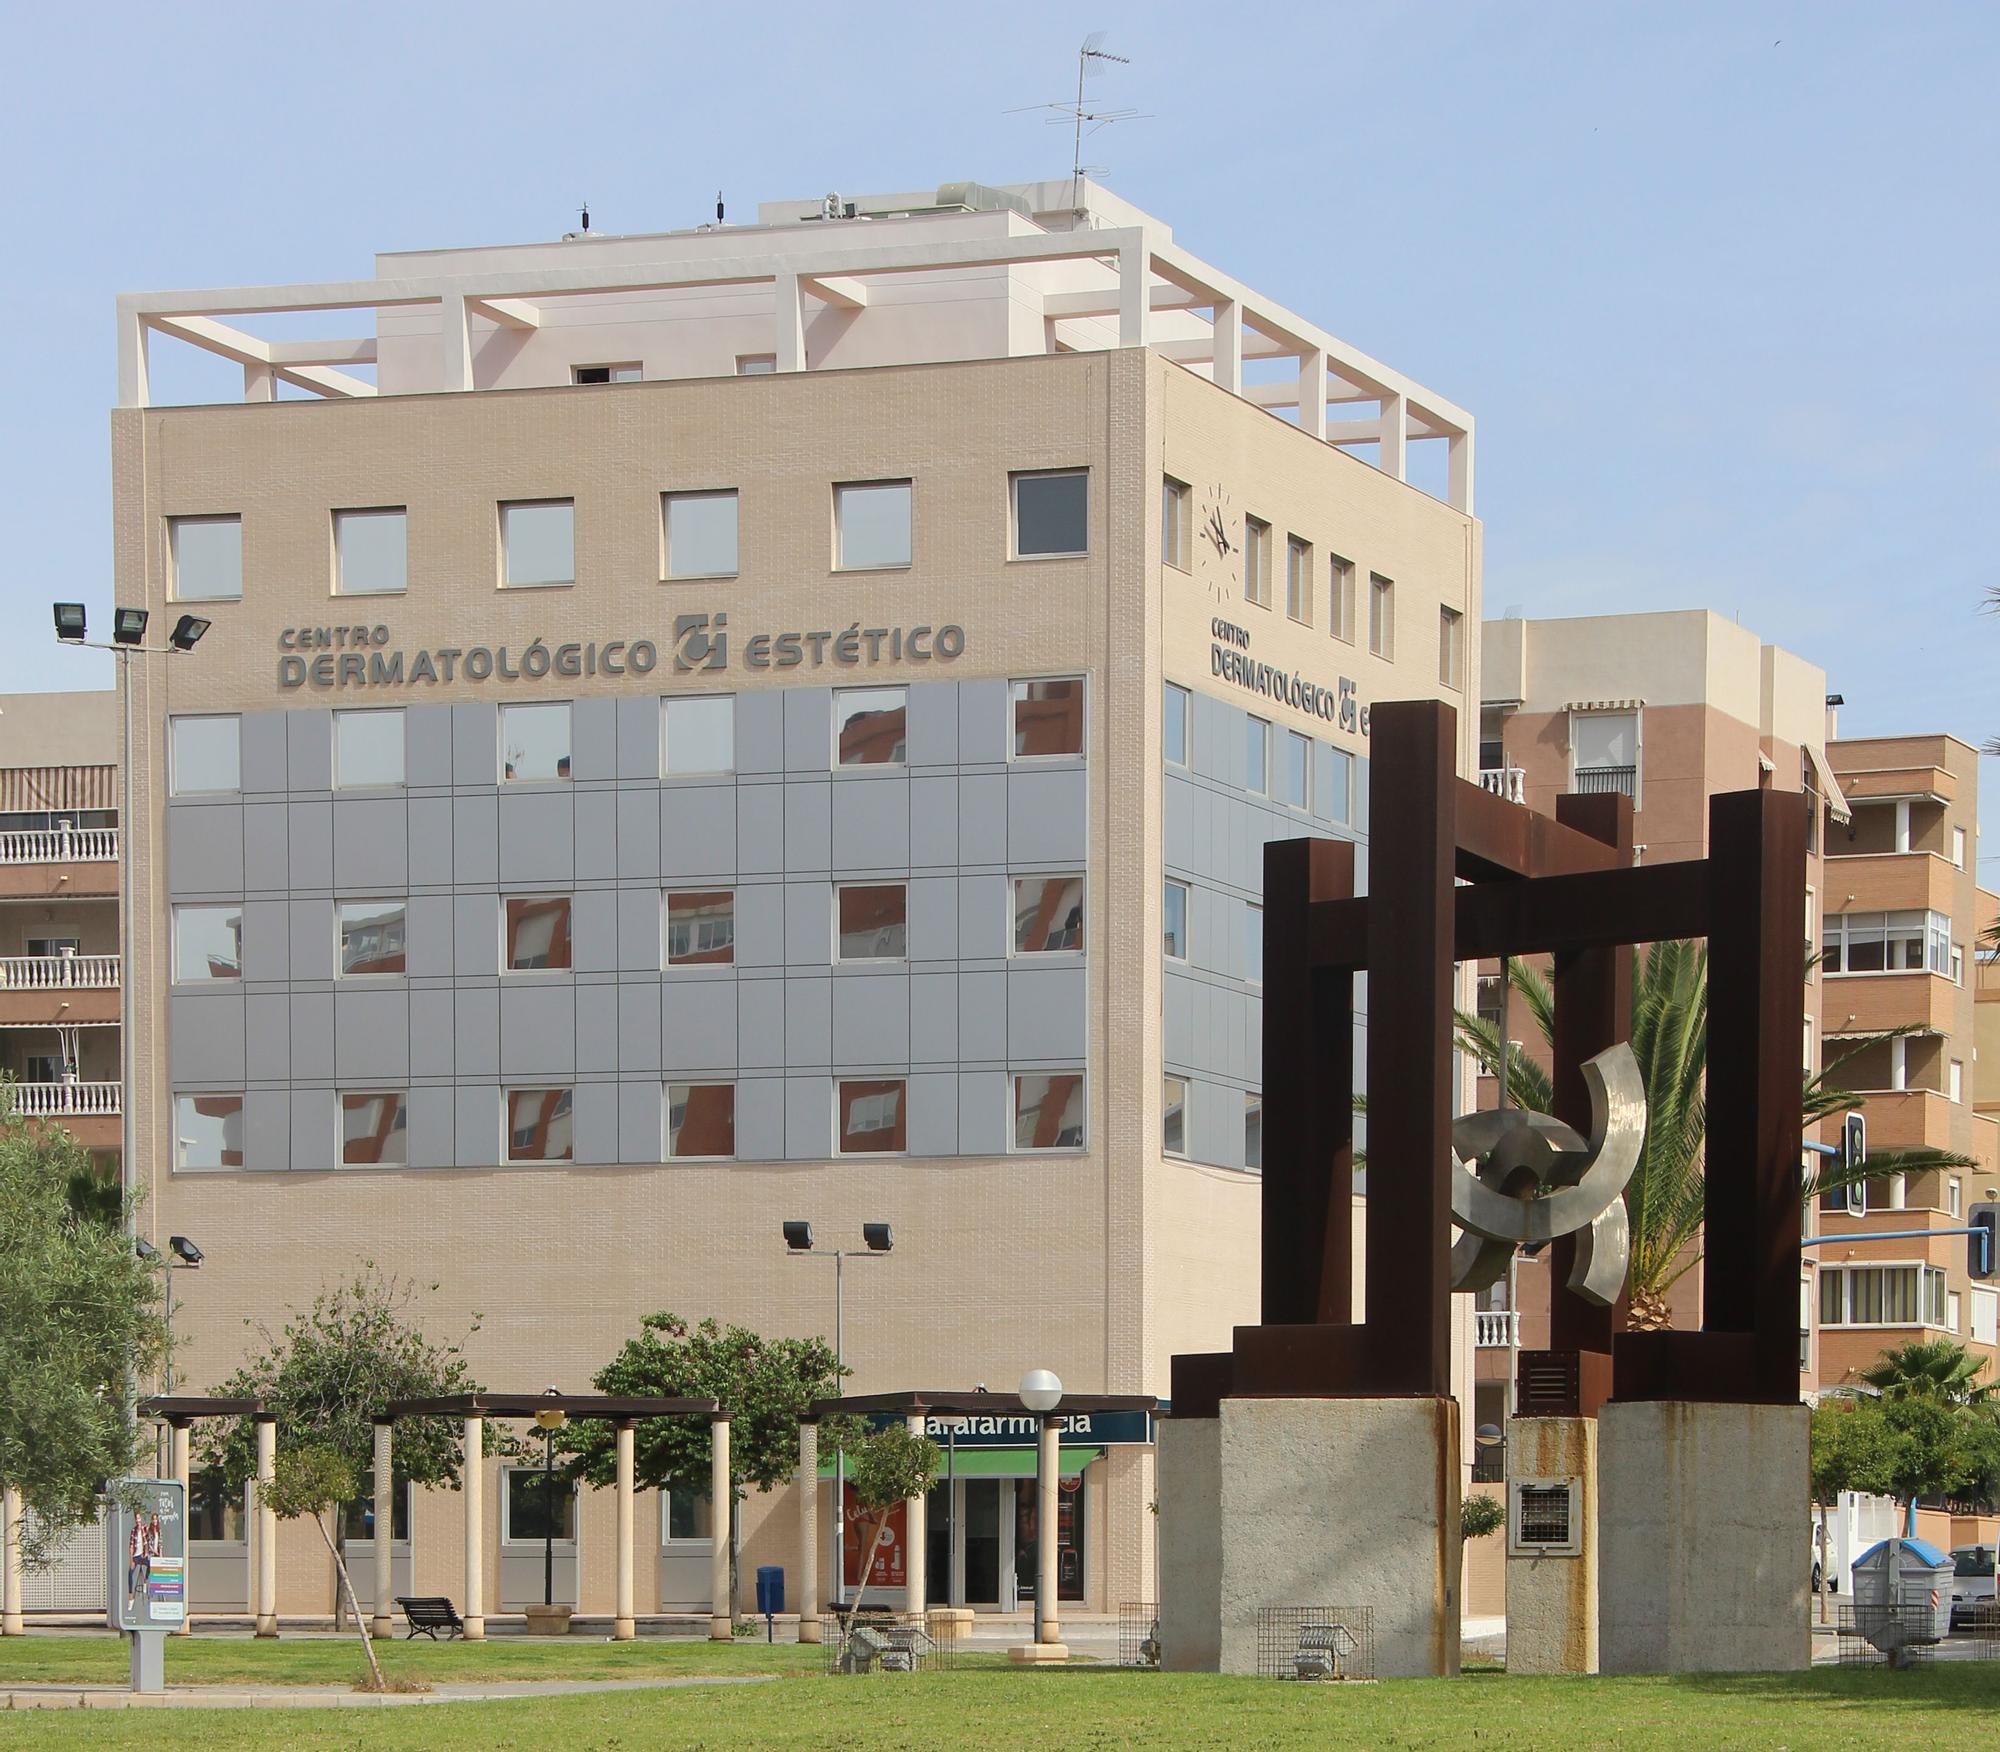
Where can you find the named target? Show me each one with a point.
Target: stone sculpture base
(1702, 1523)
(1552, 1600)
(1310, 1502)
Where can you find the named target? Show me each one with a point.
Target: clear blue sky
(1718, 281)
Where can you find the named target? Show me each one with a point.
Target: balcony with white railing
(1496, 1328)
(60, 845)
(1508, 782)
(65, 1100)
(58, 973)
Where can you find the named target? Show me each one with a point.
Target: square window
(1253, 943)
(534, 742)
(756, 364)
(1176, 523)
(700, 532)
(1381, 616)
(371, 552)
(701, 1120)
(1294, 762)
(1256, 756)
(1257, 561)
(1340, 598)
(1048, 717)
(700, 736)
(870, 1118)
(538, 1510)
(537, 933)
(1048, 914)
(367, 749)
(683, 1517)
(1253, 1129)
(1299, 580)
(701, 929)
(538, 1125)
(208, 943)
(1451, 648)
(1174, 928)
(608, 373)
(1048, 1110)
(871, 525)
(872, 920)
(1051, 513)
(538, 542)
(869, 726)
(207, 755)
(1173, 724)
(208, 1131)
(1173, 1116)
(374, 937)
(206, 558)
(374, 1129)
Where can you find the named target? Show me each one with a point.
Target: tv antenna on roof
(1079, 114)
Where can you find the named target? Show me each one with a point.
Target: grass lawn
(1080, 1710)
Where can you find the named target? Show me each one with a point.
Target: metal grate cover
(1139, 1633)
(1316, 1642)
(1545, 1514)
(871, 1642)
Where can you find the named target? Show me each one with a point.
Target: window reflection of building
(374, 1129)
(1048, 1111)
(873, 921)
(871, 1118)
(210, 1131)
(1048, 914)
(701, 1119)
(538, 1125)
(870, 726)
(701, 928)
(538, 932)
(373, 936)
(1048, 717)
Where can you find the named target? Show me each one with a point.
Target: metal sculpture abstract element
(1522, 1176)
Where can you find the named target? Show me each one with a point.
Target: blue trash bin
(770, 1589)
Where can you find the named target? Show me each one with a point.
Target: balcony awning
(29, 789)
(1829, 786)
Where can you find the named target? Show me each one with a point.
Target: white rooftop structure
(963, 271)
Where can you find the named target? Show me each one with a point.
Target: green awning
(1002, 1463)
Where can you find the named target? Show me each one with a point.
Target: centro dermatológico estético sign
(1228, 657)
(360, 656)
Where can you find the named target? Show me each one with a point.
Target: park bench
(429, 1614)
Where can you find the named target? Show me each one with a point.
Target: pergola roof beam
(513, 313)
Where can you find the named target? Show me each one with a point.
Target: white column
(915, 1535)
(455, 338)
(472, 1486)
(626, 1627)
(722, 1609)
(1395, 458)
(181, 1470)
(1312, 391)
(1458, 453)
(808, 1486)
(11, 1623)
(1228, 367)
(385, 1531)
(790, 316)
(1048, 1491)
(1135, 294)
(134, 360)
(260, 383)
(266, 1603)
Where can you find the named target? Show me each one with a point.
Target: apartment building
(59, 956)
(1900, 936)
(772, 721)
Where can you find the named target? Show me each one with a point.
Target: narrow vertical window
(1340, 598)
(1174, 927)
(1256, 756)
(1173, 1115)
(1174, 724)
(1381, 616)
(1257, 561)
(1451, 659)
(1176, 522)
(1299, 580)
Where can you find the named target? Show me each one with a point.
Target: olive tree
(890, 1466)
(313, 1482)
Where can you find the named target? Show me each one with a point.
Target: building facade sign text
(1229, 659)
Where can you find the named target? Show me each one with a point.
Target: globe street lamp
(1041, 1393)
(549, 1420)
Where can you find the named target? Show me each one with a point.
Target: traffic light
(1853, 1141)
(1982, 1246)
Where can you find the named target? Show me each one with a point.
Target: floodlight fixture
(70, 622)
(187, 632)
(184, 1250)
(877, 1236)
(145, 1249)
(799, 1236)
(128, 625)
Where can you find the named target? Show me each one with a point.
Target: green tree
(314, 1482)
(1479, 1515)
(1930, 1368)
(79, 1318)
(1938, 1453)
(327, 1374)
(1854, 1448)
(1665, 1198)
(889, 1466)
(762, 1385)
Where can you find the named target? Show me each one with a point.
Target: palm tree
(1930, 1368)
(1665, 1198)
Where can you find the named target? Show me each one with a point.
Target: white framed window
(1047, 717)
(535, 933)
(1257, 561)
(367, 749)
(1173, 1115)
(1881, 1295)
(1381, 616)
(534, 742)
(684, 1518)
(1451, 648)
(1958, 848)
(701, 1122)
(208, 943)
(1048, 1111)
(1958, 964)
(1604, 752)
(1174, 923)
(872, 525)
(371, 552)
(871, 921)
(1176, 523)
(1910, 941)
(206, 754)
(1338, 765)
(870, 726)
(538, 1124)
(530, 1516)
(1256, 756)
(698, 533)
(537, 542)
(756, 364)
(1954, 1197)
(1174, 724)
(1294, 770)
(1048, 915)
(1299, 580)
(1954, 1312)
(1253, 943)
(1253, 1129)
(371, 937)
(701, 927)
(1954, 1086)
(626, 373)
(374, 1128)
(1050, 513)
(870, 1116)
(1340, 598)
(698, 735)
(208, 1131)
(205, 559)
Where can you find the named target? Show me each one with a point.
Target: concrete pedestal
(548, 1620)
(1552, 1597)
(1310, 1502)
(1702, 1518)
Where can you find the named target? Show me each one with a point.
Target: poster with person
(147, 1547)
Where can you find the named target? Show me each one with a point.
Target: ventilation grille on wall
(1543, 1517)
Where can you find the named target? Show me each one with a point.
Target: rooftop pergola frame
(1215, 320)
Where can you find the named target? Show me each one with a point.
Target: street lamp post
(1041, 1393)
(799, 1244)
(549, 1421)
